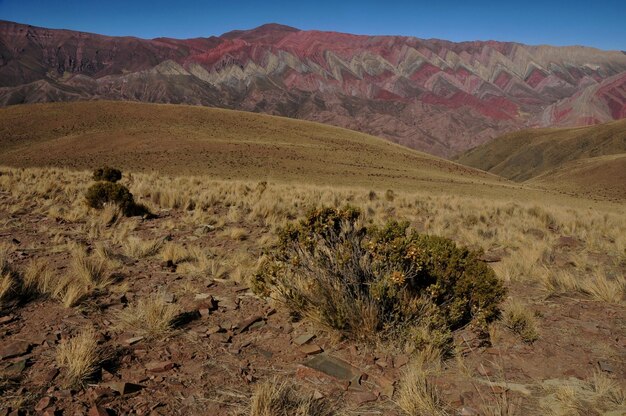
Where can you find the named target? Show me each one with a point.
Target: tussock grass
(417, 395)
(176, 253)
(603, 288)
(137, 248)
(90, 270)
(519, 319)
(151, 316)
(281, 398)
(79, 356)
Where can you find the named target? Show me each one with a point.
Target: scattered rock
(214, 330)
(222, 337)
(169, 297)
(311, 349)
(567, 242)
(50, 375)
(14, 349)
(203, 296)
(303, 339)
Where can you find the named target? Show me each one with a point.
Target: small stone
(468, 411)
(245, 324)
(203, 296)
(97, 411)
(43, 403)
(606, 366)
(204, 312)
(400, 361)
(14, 349)
(317, 395)
(364, 397)
(214, 330)
(222, 337)
(169, 297)
(159, 367)
(134, 340)
(311, 349)
(382, 363)
(303, 339)
(50, 375)
(256, 325)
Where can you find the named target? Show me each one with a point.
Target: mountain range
(431, 95)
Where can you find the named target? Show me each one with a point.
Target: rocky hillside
(432, 95)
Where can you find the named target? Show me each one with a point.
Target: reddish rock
(97, 411)
(14, 349)
(364, 397)
(159, 367)
(43, 403)
(311, 349)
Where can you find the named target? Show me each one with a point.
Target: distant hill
(589, 160)
(179, 139)
(432, 95)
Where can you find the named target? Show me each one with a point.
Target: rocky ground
(226, 340)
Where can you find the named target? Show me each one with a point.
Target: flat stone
(468, 411)
(134, 340)
(50, 375)
(245, 324)
(214, 330)
(311, 349)
(15, 368)
(14, 349)
(159, 367)
(606, 366)
(6, 319)
(229, 304)
(334, 367)
(222, 337)
(169, 298)
(303, 339)
(43, 403)
(364, 397)
(203, 296)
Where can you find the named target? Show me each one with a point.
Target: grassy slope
(225, 144)
(570, 159)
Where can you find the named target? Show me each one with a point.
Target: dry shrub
(281, 398)
(79, 356)
(372, 281)
(151, 317)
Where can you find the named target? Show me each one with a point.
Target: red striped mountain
(433, 95)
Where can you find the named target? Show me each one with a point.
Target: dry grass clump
(598, 395)
(176, 253)
(521, 321)
(151, 316)
(281, 398)
(604, 288)
(79, 356)
(137, 248)
(417, 395)
(90, 270)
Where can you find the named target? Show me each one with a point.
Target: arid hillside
(586, 160)
(224, 144)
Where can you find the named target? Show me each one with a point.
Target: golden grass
(90, 270)
(176, 253)
(79, 356)
(417, 395)
(281, 398)
(151, 316)
(137, 248)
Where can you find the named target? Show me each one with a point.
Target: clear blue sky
(599, 23)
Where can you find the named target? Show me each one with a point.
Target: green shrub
(378, 280)
(101, 193)
(107, 174)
